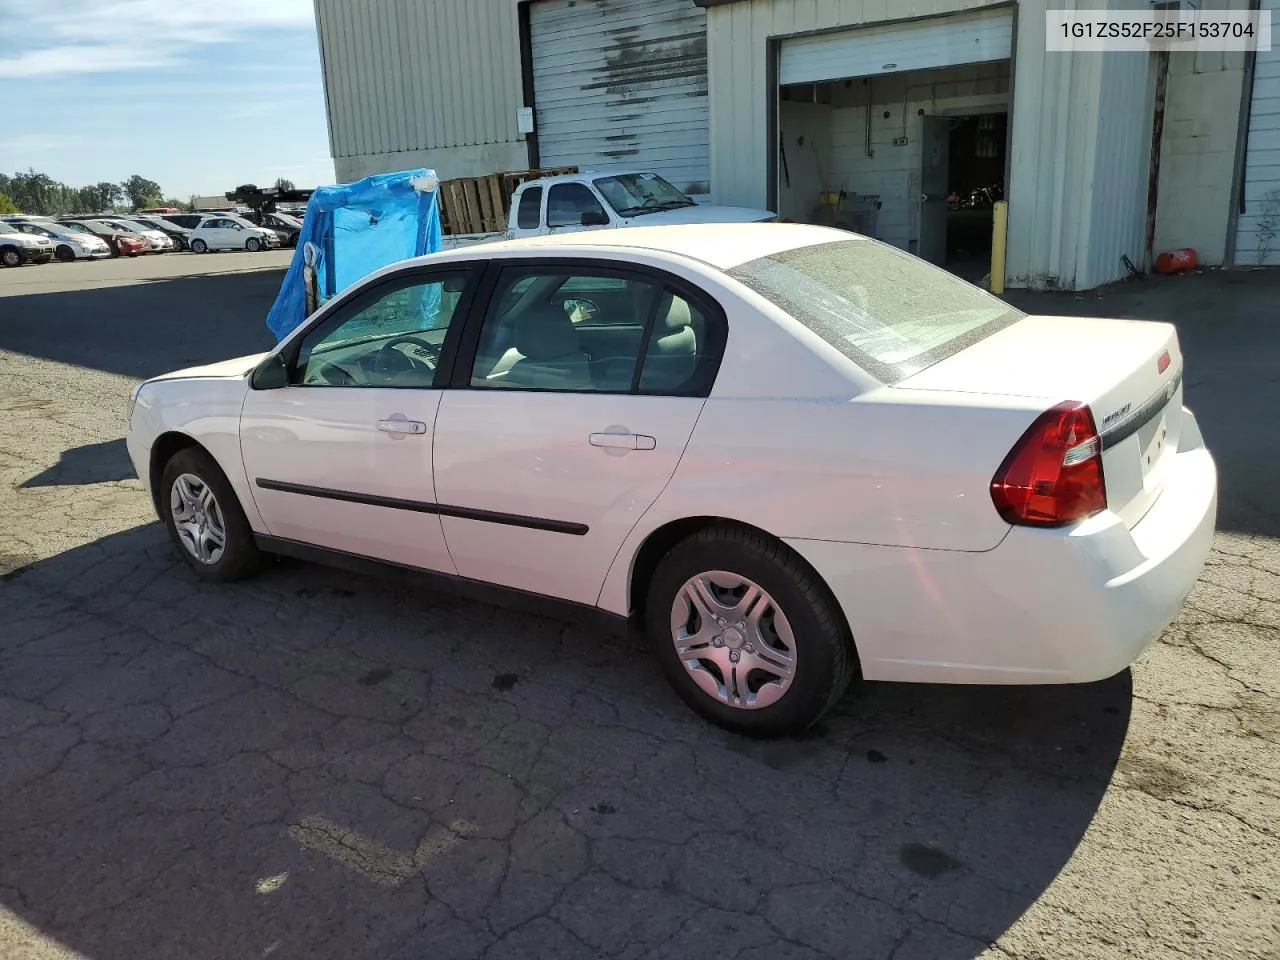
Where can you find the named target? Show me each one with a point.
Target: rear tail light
(1053, 475)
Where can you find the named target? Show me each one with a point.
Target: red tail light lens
(1053, 475)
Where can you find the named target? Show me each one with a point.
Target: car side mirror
(595, 218)
(271, 374)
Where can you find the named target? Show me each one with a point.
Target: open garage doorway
(914, 159)
(899, 131)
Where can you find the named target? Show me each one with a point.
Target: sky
(199, 95)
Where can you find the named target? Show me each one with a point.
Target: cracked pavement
(314, 764)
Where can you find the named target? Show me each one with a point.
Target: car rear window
(891, 313)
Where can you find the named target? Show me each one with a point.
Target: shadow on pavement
(314, 764)
(146, 328)
(93, 463)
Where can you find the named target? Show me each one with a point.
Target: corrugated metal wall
(623, 83)
(414, 75)
(1258, 228)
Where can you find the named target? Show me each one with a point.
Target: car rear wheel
(747, 633)
(65, 254)
(253, 244)
(204, 518)
(10, 257)
(199, 246)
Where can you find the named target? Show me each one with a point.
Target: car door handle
(623, 441)
(398, 425)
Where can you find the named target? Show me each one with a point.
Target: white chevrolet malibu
(791, 455)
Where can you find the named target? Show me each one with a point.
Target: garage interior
(900, 132)
(838, 167)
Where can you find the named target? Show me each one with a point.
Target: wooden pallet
(483, 204)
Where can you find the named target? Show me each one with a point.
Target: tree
(175, 202)
(284, 184)
(7, 205)
(141, 192)
(109, 194)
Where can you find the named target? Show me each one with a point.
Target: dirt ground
(316, 765)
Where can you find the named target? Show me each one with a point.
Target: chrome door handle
(398, 425)
(623, 441)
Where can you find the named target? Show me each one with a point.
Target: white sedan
(792, 455)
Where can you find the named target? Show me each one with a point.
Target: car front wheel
(747, 633)
(204, 518)
(253, 244)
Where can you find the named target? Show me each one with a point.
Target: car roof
(721, 245)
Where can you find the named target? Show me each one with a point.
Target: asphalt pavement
(314, 764)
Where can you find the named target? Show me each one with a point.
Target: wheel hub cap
(197, 518)
(734, 640)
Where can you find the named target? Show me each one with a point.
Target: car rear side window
(890, 312)
(530, 209)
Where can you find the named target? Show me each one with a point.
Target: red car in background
(122, 243)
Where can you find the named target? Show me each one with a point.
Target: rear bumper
(1045, 606)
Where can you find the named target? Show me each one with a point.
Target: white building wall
(1257, 235)
(1198, 150)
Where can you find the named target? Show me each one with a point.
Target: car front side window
(394, 337)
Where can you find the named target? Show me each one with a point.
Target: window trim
(362, 297)
(564, 186)
(537, 213)
(464, 359)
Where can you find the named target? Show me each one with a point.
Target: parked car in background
(71, 241)
(17, 247)
(123, 243)
(188, 221)
(231, 233)
(160, 242)
(789, 453)
(174, 232)
(285, 227)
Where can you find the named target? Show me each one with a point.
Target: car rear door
(571, 405)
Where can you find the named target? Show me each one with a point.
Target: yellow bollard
(999, 237)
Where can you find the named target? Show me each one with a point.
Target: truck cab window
(567, 202)
(530, 209)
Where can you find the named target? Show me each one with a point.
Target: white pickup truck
(593, 201)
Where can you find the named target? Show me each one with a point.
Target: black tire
(199, 246)
(10, 257)
(240, 557)
(253, 244)
(826, 660)
(64, 254)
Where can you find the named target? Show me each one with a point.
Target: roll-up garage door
(975, 37)
(623, 83)
(1258, 227)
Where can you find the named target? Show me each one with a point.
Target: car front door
(340, 457)
(574, 206)
(571, 406)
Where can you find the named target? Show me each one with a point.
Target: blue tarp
(353, 229)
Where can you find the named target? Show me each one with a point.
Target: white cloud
(111, 36)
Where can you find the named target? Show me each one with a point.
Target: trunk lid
(1118, 367)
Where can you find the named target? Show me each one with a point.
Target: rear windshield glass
(891, 313)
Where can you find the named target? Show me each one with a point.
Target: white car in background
(791, 454)
(230, 232)
(71, 241)
(18, 247)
